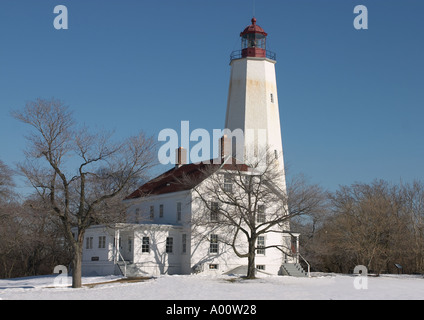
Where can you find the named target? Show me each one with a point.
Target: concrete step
(293, 269)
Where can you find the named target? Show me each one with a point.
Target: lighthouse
(253, 99)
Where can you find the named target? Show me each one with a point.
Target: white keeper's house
(158, 236)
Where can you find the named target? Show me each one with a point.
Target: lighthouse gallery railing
(238, 55)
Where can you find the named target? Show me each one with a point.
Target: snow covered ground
(200, 287)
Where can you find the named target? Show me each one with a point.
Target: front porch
(132, 250)
(293, 260)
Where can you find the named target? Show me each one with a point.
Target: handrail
(309, 266)
(125, 263)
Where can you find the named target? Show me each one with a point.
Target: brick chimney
(181, 157)
(225, 147)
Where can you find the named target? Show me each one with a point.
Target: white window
(169, 244)
(161, 211)
(248, 183)
(260, 266)
(213, 266)
(102, 242)
(145, 246)
(272, 98)
(261, 216)
(214, 211)
(184, 242)
(137, 215)
(228, 183)
(178, 211)
(89, 243)
(260, 248)
(213, 244)
(152, 212)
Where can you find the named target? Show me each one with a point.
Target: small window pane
(169, 244)
(214, 211)
(261, 245)
(184, 242)
(213, 244)
(178, 211)
(228, 183)
(145, 247)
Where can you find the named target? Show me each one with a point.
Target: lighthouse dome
(253, 28)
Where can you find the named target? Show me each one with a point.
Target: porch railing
(123, 260)
(309, 266)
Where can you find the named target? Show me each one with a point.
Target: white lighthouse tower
(253, 99)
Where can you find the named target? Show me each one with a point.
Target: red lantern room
(253, 41)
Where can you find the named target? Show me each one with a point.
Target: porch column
(116, 246)
(297, 248)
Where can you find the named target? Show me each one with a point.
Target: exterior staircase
(293, 269)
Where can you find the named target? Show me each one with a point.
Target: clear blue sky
(351, 101)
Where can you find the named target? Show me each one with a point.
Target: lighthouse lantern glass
(253, 40)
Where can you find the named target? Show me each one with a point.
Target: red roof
(172, 180)
(253, 28)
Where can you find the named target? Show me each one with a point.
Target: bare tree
(6, 182)
(247, 201)
(8, 230)
(81, 175)
(309, 225)
(367, 226)
(412, 198)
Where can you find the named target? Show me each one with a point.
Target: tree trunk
(251, 270)
(77, 264)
